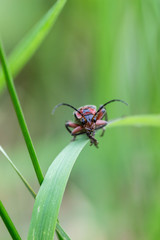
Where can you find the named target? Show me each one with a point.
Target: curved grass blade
(60, 232)
(27, 47)
(49, 197)
(8, 223)
(18, 172)
(148, 120)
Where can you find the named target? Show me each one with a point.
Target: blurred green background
(98, 50)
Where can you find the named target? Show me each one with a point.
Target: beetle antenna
(66, 104)
(114, 100)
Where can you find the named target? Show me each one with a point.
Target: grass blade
(150, 120)
(60, 233)
(20, 116)
(27, 47)
(18, 172)
(8, 223)
(49, 197)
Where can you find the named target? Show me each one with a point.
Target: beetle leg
(70, 124)
(74, 138)
(101, 124)
(92, 140)
(76, 130)
(93, 133)
(75, 135)
(99, 127)
(79, 133)
(103, 131)
(106, 116)
(102, 113)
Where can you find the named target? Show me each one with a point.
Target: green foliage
(60, 233)
(20, 116)
(18, 172)
(151, 120)
(50, 195)
(23, 52)
(102, 51)
(27, 47)
(8, 222)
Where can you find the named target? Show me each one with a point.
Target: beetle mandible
(88, 120)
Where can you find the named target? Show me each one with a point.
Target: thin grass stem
(24, 129)
(19, 174)
(20, 116)
(8, 223)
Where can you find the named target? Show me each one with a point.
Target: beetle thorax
(89, 125)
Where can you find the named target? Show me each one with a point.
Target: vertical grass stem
(8, 223)
(20, 116)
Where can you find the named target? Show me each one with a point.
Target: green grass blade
(150, 120)
(49, 197)
(60, 233)
(18, 172)
(27, 47)
(8, 223)
(20, 116)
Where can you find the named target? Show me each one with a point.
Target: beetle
(88, 120)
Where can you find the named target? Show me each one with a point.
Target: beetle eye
(83, 121)
(94, 119)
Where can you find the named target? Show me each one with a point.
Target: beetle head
(88, 123)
